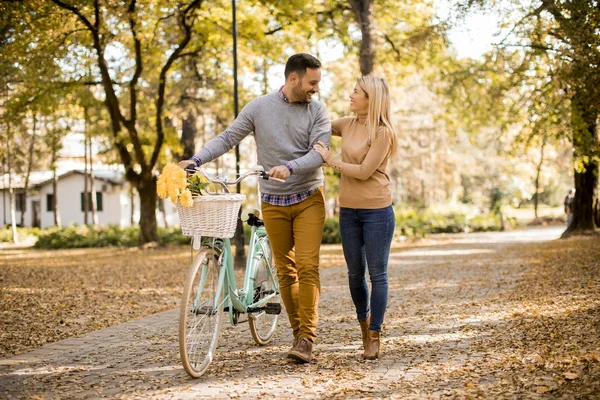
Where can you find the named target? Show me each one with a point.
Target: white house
(115, 202)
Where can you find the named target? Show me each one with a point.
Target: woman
(366, 213)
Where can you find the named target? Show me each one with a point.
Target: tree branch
(192, 53)
(391, 43)
(160, 99)
(130, 124)
(552, 9)
(527, 46)
(274, 30)
(75, 11)
(112, 101)
(97, 15)
(61, 42)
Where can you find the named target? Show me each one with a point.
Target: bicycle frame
(213, 266)
(240, 300)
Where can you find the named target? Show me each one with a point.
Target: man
(568, 203)
(286, 124)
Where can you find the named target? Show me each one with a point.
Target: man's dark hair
(298, 64)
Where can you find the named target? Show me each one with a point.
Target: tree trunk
(132, 200)
(597, 211)
(86, 196)
(536, 195)
(148, 227)
(364, 16)
(29, 168)
(164, 211)
(11, 192)
(55, 189)
(585, 137)
(188, 135)
(93, 185)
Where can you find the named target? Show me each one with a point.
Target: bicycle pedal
(206, 310)
(273, 308)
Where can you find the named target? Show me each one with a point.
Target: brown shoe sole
(296, 355)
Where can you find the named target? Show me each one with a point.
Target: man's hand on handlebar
(279, 172)
(184, 164)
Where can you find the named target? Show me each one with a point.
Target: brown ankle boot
(364, 327)
(372, 345)
(302, 352)
(294, 344)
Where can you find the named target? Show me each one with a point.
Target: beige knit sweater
(364, 183)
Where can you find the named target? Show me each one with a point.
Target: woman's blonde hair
(376, 90)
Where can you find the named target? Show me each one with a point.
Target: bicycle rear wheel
(263, 323)
(200, 314)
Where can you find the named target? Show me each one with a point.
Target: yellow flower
(174, 183)
(171, 182)
(173, 195)
(161, 188)
(186, 198)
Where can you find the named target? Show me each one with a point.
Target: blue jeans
(366, 240)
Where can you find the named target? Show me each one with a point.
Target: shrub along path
(508, 315)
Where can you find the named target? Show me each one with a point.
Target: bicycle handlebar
(256, 171)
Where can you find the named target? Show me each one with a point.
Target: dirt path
(511, 315)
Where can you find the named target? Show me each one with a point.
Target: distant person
(569, 200)
(286, 124)
(366, 214)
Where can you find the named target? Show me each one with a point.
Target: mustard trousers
(295, 234)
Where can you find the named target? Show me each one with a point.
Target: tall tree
(575, 27)
(13, 214)
(566, 35)
(29, 165)
(363, 12)
(53, 136)
(135, 27)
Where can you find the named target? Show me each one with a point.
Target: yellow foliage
(172, 183)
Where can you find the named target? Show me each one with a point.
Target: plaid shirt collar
(282, 95)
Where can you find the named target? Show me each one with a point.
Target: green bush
(172, 236)
(412, 223)
(409, 223)
(331, 231)
(415, 223)
(6, 235)
(112, 235)
(484, 223)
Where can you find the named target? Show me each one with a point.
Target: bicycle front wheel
(264, 322)
(201, 313)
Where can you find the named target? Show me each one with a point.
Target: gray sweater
(284, 132)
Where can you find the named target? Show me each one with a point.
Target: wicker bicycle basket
(211, 215)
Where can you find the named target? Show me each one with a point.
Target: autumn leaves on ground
(49, 295)
(465, 319)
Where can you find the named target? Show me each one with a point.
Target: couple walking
(292, 133)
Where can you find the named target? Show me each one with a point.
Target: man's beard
(301, 95)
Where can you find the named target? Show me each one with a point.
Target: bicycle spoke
(263, 321)
(201, 314)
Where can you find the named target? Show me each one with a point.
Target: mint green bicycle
(210, 287)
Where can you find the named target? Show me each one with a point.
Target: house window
(49, 202)
(20, 202)
(160, 204)
(99, 206)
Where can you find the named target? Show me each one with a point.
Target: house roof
(38, 179)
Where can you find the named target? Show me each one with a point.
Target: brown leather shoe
(294, 344)
(372, 345)
(364, 327)
(302, 352)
